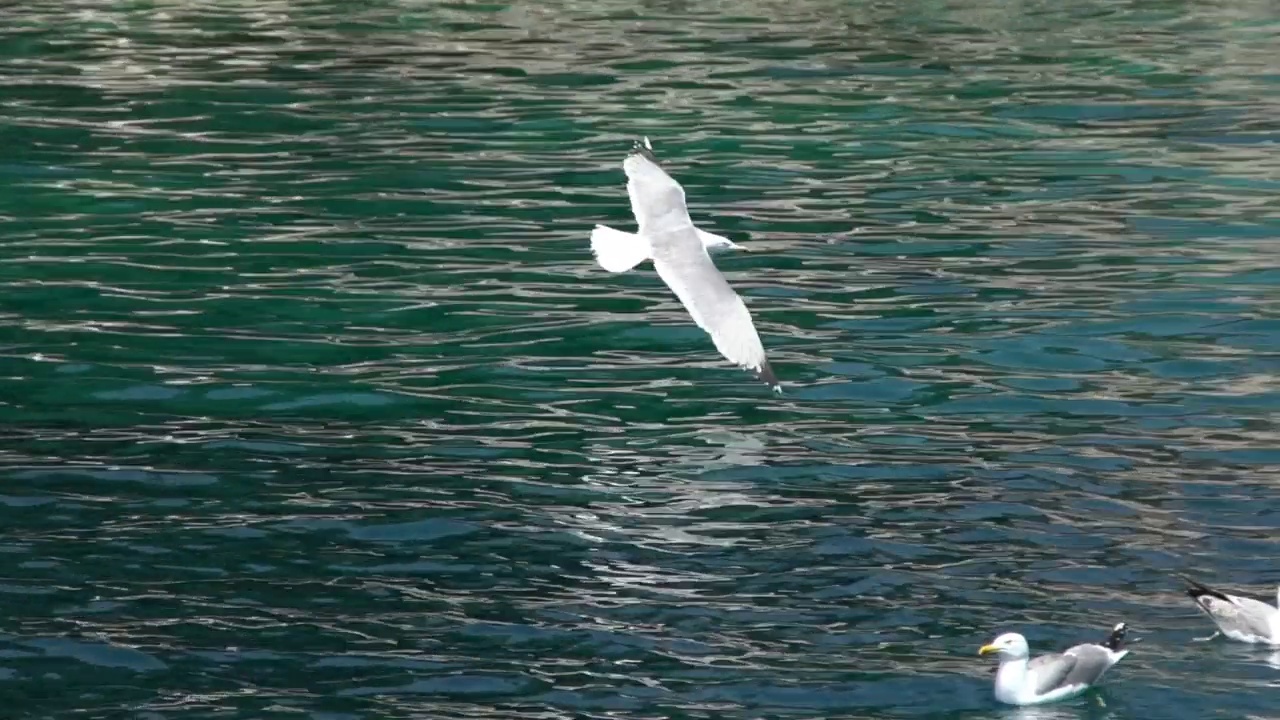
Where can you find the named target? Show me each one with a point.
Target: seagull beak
(988, 649)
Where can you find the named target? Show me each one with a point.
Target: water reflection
(1091, 707)
(668, 500)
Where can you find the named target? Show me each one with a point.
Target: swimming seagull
(1056, 676)
(679, 253)
(1239, 618)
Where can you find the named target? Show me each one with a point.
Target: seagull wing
(1051, 671)
(717, 309)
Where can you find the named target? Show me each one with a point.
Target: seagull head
(1009, 646)
(718, 244)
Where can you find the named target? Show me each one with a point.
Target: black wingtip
(1115, 640)
(645, 148)
(765, 373)
(1197, 590)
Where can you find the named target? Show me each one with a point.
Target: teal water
(316, 406)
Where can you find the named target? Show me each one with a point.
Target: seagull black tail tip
(1116, 639)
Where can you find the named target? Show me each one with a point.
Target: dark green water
(315, 404)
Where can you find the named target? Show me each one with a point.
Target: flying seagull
(1239, 618)
(679, 253)
(1056, 676)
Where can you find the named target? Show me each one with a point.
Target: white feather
(618, 251)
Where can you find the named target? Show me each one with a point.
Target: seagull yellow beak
(987, 649)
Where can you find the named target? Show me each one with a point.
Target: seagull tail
(618, 251)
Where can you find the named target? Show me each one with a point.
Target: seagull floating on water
(679, 253)
(1056, 676)
(1239, 618)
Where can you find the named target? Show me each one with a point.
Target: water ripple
(318, 404)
